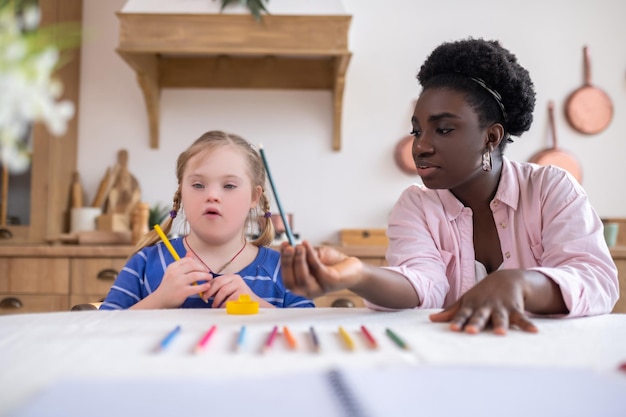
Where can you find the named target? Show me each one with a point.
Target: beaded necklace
(223, 267)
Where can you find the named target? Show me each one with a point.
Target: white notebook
(389, 392)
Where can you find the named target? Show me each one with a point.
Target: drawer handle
(5, 233)
(11, 303)
(107, 274)
(343, 302)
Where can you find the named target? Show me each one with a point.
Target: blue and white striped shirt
(143, 273)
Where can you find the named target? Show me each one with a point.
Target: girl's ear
(256, 196)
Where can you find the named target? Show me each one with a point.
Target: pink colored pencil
(270, 339)
(204, 341)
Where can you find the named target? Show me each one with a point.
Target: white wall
(356, 187)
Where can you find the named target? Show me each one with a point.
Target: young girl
(220, 188)
(485, 238)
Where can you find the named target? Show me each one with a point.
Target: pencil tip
(260, 146)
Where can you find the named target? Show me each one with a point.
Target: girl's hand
(313, 272)
(498, 301)
(229, 287)
(179, 283)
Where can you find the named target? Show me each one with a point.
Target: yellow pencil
(170, 248)
(166, 241)
(346, 338)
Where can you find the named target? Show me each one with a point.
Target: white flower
(29, 93)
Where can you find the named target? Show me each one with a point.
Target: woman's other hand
(500, 300)
(312, 272)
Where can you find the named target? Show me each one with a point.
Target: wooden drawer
(34, 275)
(94, 276)
(28, 303)
(343, 298)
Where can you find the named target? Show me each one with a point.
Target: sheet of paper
(373, 392)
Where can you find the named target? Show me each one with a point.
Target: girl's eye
(230, 186)
(415, 132)
(443, 130)
(197, 185)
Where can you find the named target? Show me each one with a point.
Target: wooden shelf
(235, 51)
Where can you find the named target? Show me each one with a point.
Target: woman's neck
(477, 194)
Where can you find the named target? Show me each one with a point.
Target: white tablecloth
(38, 350)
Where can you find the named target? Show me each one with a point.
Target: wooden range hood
(235, 51)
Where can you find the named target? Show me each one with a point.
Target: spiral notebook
(404, 391)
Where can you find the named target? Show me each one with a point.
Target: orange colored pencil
(289, 337)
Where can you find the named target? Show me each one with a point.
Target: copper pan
(403, 155)
(588, 109)
(555, 156)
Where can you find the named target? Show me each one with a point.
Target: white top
(107, 347)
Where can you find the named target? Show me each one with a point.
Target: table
(39, 350)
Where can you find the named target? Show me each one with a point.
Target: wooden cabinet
(54, 278)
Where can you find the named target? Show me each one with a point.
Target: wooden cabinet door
(34, 275)
(94, 276)
(29, 303)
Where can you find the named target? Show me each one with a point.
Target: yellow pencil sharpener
(242, 306)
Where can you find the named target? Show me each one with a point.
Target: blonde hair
(256, 170)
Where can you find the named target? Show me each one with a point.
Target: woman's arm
(312, 272)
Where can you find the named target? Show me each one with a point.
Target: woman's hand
(178, 283)
(229, 287)
(313, 272)
(497, 301)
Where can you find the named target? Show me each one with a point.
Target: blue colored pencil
(240, 338)
(167, 339)
(290, 237)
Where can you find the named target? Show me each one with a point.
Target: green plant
(256, 7)
(157, 214)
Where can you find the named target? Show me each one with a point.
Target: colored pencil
(166, 242)
(369, 337)
(168, 339)
(346, 338)
(291, 341)
(270, 339)
(205, 340)
(316, 341)
(240, 338)
(290, 237)
(396, 339)
(171, 249)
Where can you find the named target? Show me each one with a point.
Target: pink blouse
(545, 223)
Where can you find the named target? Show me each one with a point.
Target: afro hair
(454, 64)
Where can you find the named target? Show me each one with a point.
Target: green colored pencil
(396, 339)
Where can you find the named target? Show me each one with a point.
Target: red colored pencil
(369, 337)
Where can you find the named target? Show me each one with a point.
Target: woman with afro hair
(489, 240)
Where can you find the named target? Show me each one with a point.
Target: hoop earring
(487, 160)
